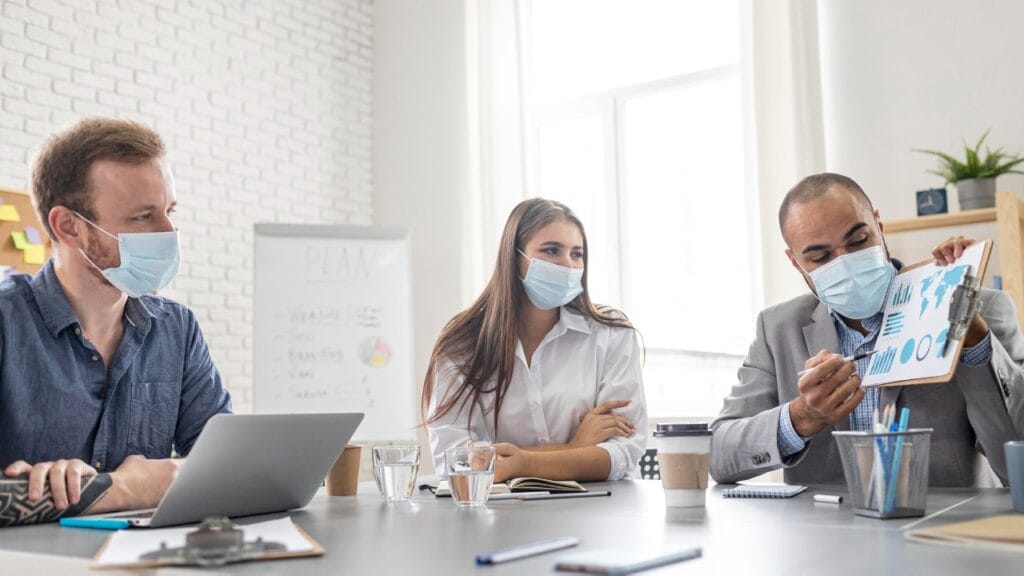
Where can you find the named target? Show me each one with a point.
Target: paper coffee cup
(343, 478)
(684, 456)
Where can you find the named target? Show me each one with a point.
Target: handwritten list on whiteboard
(333, 324)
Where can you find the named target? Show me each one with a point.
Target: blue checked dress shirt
(862, 417)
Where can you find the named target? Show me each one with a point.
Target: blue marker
(96, 523)
(890, 497)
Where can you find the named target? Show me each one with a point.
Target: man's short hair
(815, 186)
(60, 174)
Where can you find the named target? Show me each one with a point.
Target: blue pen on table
(897, 455)
(526, 550)
(95, 523)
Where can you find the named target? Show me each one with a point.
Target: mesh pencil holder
(886, 473)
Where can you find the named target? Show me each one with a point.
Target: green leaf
(994, 163)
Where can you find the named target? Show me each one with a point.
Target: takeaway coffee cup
(343, 479)
(684, 455)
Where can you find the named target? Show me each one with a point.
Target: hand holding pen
(829, 390)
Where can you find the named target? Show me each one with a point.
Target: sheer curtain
(785, 81)
(496, 88)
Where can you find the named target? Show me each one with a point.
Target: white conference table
(428, 535)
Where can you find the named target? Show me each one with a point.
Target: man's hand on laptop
(139, 483)
(63, 476)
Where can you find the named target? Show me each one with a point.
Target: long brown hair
(481, 340)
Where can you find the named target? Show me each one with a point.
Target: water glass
(395, 468)
(470, 473)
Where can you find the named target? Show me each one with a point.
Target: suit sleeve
(745, 439)
(994, 391)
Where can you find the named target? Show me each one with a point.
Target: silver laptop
(245, 464)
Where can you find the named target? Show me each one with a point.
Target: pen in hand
(858, 356)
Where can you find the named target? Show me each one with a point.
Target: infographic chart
(913, 342)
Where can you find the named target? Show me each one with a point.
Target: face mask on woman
(549, 285)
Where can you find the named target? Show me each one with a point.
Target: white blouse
(579, 364)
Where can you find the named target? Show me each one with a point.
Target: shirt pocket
(153, 414)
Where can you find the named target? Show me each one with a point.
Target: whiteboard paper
(333, 324)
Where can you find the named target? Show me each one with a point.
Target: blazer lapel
(820, 334)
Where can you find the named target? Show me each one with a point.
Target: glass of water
(470, 472)
(395, 468)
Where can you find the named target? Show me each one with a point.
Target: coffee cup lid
(664, 430)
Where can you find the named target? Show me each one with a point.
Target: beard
(102, 256)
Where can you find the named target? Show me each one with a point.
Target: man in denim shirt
(96, 374)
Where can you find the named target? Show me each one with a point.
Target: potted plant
(974, 177)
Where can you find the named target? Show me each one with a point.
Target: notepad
(763, 491)
(998, 532)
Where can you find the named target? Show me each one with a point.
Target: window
(634, 117)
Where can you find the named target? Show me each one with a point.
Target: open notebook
(998, 532)
(523, 484)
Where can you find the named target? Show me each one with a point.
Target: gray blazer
(978, 410)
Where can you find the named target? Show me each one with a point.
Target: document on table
(125, 548)
(998, 532)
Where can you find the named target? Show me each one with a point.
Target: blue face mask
(149, 260)
(855, 285)
(549, 285)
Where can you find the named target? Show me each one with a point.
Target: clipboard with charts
(927, 311)
(215, 542)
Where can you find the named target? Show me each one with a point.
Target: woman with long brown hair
(534, 366)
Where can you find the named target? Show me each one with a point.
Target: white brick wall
(265, 106)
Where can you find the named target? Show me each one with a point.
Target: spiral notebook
(763, 491)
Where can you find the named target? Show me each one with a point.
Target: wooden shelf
(941, 220)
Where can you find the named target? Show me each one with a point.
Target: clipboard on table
(216, 542)
(928, 309)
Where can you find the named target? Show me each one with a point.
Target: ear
(65, 226)
(793, 262)
(798, 268)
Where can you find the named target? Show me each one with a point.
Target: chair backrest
(649, 469)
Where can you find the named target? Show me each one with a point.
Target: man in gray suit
(774, 419)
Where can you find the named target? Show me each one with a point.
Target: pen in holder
(886, 472)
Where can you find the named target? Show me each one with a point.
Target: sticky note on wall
(9, 213)
(35, 254)
(32, 234)
(19, 239)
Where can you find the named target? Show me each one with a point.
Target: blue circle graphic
(908, 352)
(922, 349)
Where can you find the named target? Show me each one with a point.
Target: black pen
(858, 356)
(558, 495)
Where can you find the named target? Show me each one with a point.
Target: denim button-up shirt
(57, 399)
